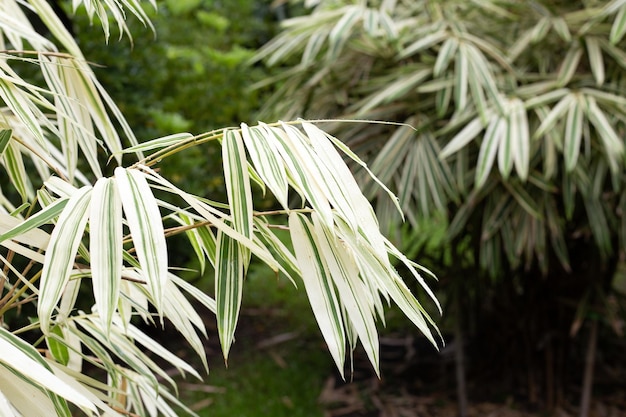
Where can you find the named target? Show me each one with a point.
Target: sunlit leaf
(59, 260)
(318, 286)
(105, 246)
(229, 271)
(146, 229)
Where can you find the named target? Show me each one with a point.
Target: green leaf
(318, 286)
(14, 164)
(461, 139)
(229, 273)
(493, 136)
(569, 66)
(424, 42)
(264, 156)
(613, 146)
(237, 182)
(619, 26)
(520, 139)
(446, 53)
(341, 267)
(59, 259)
(21, 357)
(5, 137)
(105, 246)
(573, 135)
(595, 59)
(146, 229)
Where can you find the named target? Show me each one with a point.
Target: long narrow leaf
(106, 247)
(318, 286)
(64, 242)
(229, 272)
(146, 229)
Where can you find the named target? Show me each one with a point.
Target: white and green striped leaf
(229, 273)
(319, 286)
(573, 135)
(264, 156)
(105, 247)
(59, 259)
(352, 293)
(146, 229)
(486, 156)
(238, 185)
(21, 357)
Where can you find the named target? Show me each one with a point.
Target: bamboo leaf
(264, 156)
(596, 61)
(159, 143)
(59, 258)
(229, 273)
(238, 186)
(446, 53)
(613, 146)
(5, 137)
(493, 136)
(619, 26)
(521, 143)
(106, 247)
(146, 229)
(26, 231)
(573, 135)
(569, 66)
(319, 287)
(14, 164)
(341, 266)
(21, 357)
(461, 139)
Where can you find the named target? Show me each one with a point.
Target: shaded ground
(279, 370)
(279, 366)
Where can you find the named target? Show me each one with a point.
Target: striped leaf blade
(264, 156)
(488, 149)
(573, 135)
(618, 30)
(5, 137)
(342, 268)
(237, 182)
(229, 273)
(59, 258)
(14, 164)
(105, 246)
(318, 286)
(613, 145)
(461, 139)
(146, 229)
(521, 142)
(20, 356)
(594, 54)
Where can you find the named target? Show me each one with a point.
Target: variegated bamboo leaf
(64, 242)
(146, 229)
(238, 186)
(319, 287)
(21, 357)
(341, 267)
(105, 247)
(229, 273)
(493, 136)
(264, 156)
(573, 135)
